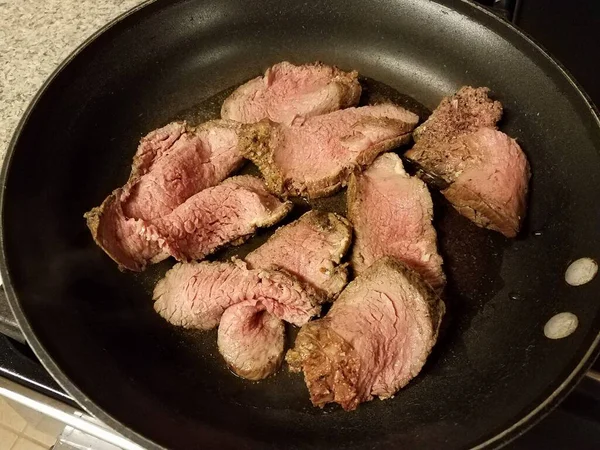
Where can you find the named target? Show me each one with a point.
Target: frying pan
(493, 372)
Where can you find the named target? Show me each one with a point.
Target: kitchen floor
(22, 428)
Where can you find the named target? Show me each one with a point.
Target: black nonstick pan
(493, 373)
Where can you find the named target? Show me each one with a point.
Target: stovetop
(569, 31)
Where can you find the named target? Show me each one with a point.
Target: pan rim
(501, 438)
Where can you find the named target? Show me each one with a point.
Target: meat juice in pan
(470, 259)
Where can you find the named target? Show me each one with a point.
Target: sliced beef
(154, 145)
(466, 111)
(311, 248)
(287, 91)
(200, 157)
(231, 211)
(251, 340)
(195, 295)
(373, 341)
(171, 164)
(119, 237)
(314, 156)
(392, 214)
(481, 171)
(490, 187)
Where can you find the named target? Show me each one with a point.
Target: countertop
(35, 37)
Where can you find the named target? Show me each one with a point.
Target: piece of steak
(314, 156)
(373, 341)
(199, 158)
(119, 235)
(466, 111)
(481, 171)
(154, 145)
(229, 212)
(310, 248)
(251, 340)
(392, 214)
(172, 163)
(286, 91)
(490, 186)
(195, 295)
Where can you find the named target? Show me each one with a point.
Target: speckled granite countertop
(35, 36)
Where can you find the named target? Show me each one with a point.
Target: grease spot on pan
(581, 271)
(561, 325)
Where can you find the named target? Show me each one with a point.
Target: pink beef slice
(171, 164)
(373, 341)
(195, 295)
(310, 248)
(481, 171)
(201, 157)
(229, 212)
(315, 156)
(251, 340)
(392, 214)
(286, 91)
(118, 235)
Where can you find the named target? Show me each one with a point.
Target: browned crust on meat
(255, 144)
(352, 206)
(331, 361)
(328, 221)
(93, 220)
(467, 110)
(352, 197)
(264, 372)
(349, 87)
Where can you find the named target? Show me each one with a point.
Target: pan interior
(171, 60)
